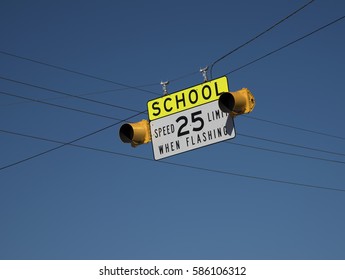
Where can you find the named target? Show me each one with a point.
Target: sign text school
(187, 98)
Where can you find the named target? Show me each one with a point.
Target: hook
(164, 85)
(203, 71)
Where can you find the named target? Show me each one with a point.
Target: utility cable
(285, 153)
(290, 144)
(126, 108)
(76, 72)
(243, 145)
(244, 135)
(283, 46)
(68, 94)
(124, 86)
(82, 94)
(67, 143)
(295, 127)
(183, 165)
(58, 106)
(139, 88)
(253, 137)
(259, 35)
(287, 45)
(277, 50)
(72, 71)
(184, 76)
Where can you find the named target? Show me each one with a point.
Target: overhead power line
(285, 153)
(259, 35)
(249, 136)
(83, 94)
(144, 111)
(75, 72)
(287, 45)
(58, 106)
(244, 135)
(294, 127)
(66, 143)
(243, 145)
(291, 145)
(184, 76)
(140, 88)
(181, 165)
(68, 94)
(133, 110)
(129, 109)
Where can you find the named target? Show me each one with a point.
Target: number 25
(184, 120)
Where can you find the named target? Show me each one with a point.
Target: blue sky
(223, 201)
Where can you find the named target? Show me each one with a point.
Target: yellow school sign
(186, 99)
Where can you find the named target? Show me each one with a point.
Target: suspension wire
(76, 72)
(285, 153)
(287, 45)
(82, 94)
(244, 135)
(290, 144)
(272, 52)
(259, 35)
(180, 164)
(68, 94)
(226, 74)
(68, 143)
(294, 127)
(140, 87)
(254, 137)
(56, 105)
(184, 76)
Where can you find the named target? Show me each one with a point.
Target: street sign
(189, 119)
(186, 99)
(190, 129)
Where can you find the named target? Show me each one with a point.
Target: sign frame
(189, 119)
